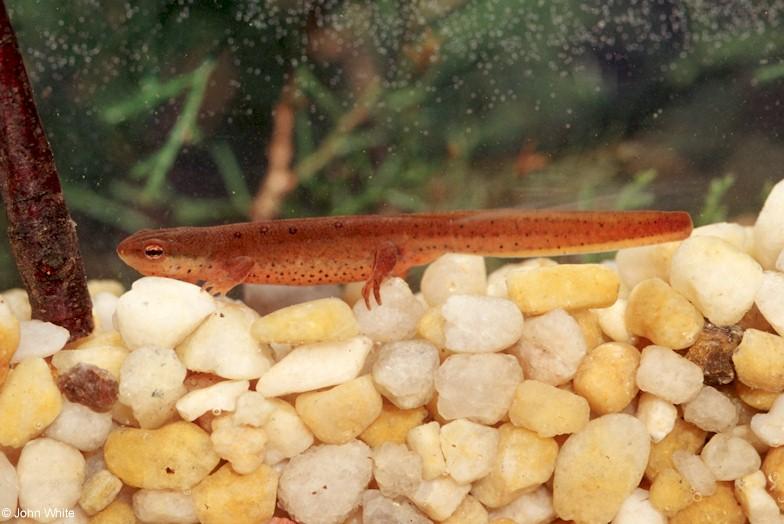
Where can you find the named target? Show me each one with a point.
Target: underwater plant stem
(41, 232)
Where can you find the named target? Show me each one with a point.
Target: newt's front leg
(384, 261)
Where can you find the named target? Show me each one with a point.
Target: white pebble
(161, 312)
(404, 372)
(717, 277)
(769, 427)
(151, 381)
(769, 299)
(637, 509)
(440, 497)
(80, 427)
(288, 435)
(397, 469)
(252, 409)
(612, 320)
(636, 264)
(39, 339)
(479, 387)
(104, 306)
(768, 230)
(9, 487)
(325, 484)
(378, 509)
(668, 375)
(741, 237)
(453, 274)
(729, 457)
(172, 507)
(469, 449)
(397, 316)
(50, 477)
(758, 505)
(425, 440)
(217, 398)
(695, 472)
(657, 415)
(535, 507)
(711, 410)
(316, 366)
(479, 324)
(551, 348)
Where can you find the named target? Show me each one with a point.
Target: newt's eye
(153, 251)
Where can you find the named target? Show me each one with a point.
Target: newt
(342, 249)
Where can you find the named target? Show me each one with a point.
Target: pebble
(151, 382)
(469, 449)
(316, 366)
(548, 410)
(588, 321)
(38, 339)
(425, 440)
(118, 512)
(565, 286)
(80, 427)
(551, 347)
(439, 498)
(684, 436)
(694, 471)
(50, 477)
(479, 387)
(223, 345)
(9, 486)
(9, 337)
(769, 427)
(323, 320)
(453, 274)
(769, 301)
(242, 446)
(378, 509)
(404, 372)
(172, 507)
(480, 324)
(29, 401)
(637, 509)
(740, 237)
(662, 315)
(605, 378)
(636, 264)
(599, 467)
(711, 410)
(109, 358)
(768, 233)
(758, 399)
(177, 456)
(717, 277)
(612, 321)
(730, 457)
(18, 302)
(252, 409)
(160, 312)
(535, 507)
(713, 352)
(657, 415)
(773, 468)
(392, 425)
(325, 484)
(431, 327)
(217, 398)
(759, 361)
(225, 496)
(288, 435)
(668, 375)
(90, 386)
(670, 493)
(99, 491)
(719, 507)
(340, 414)
(112, 287)
(756, 502)
(470, 511)
(104, 306)
(397, 469)
(397, 316)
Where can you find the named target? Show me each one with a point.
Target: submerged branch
(41, 232)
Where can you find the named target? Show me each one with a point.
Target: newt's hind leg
(384, 261)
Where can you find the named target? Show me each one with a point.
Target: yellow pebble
(662, 315)
(606, 377)
(118, 512)
(392, 425)
(111, 286)
(326, 319)
(568, 286)
(226, 497)
(756, 398)
(29, 401)
(470, 511)
(773, 468)
(759, 360)
(9, 338)
(425, 441)
(99, 491)
(670, 493)
(719, 507)
(548, 410)
(431, 327)
(589, 324)
(341, 413)
(683, 436)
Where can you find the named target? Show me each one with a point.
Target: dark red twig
(41, 232)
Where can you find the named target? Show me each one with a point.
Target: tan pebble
(567, 286)
(670, 492)
(99, 491)
(469, 449)
(392, 425)
(176, 456)
(605, 377)
(773, 468)
(242, 446)
(636, 264)
(9, 338)
(684, 436)
(758, 399)
(227, 497)
(589, 324)
(598, 467)
(339, 414)
(662, 315)
(439, 498)
(431, 327)
(719, 507)
(470, 511)
(759, 360)
(118, 512)
(425, 440)
(288, 435)
(502, 521)
(548, 410)
(757, 503)
(29, 401)
(326, 319)
(113, 287)
(524, 461)
(19, 303)
(713, 350)
(612, 321)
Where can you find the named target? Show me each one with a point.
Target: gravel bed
(643, 390)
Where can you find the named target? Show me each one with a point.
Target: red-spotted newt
(368, 248)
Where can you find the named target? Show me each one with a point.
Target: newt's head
(159, 253)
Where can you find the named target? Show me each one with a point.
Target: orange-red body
(368, 248)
